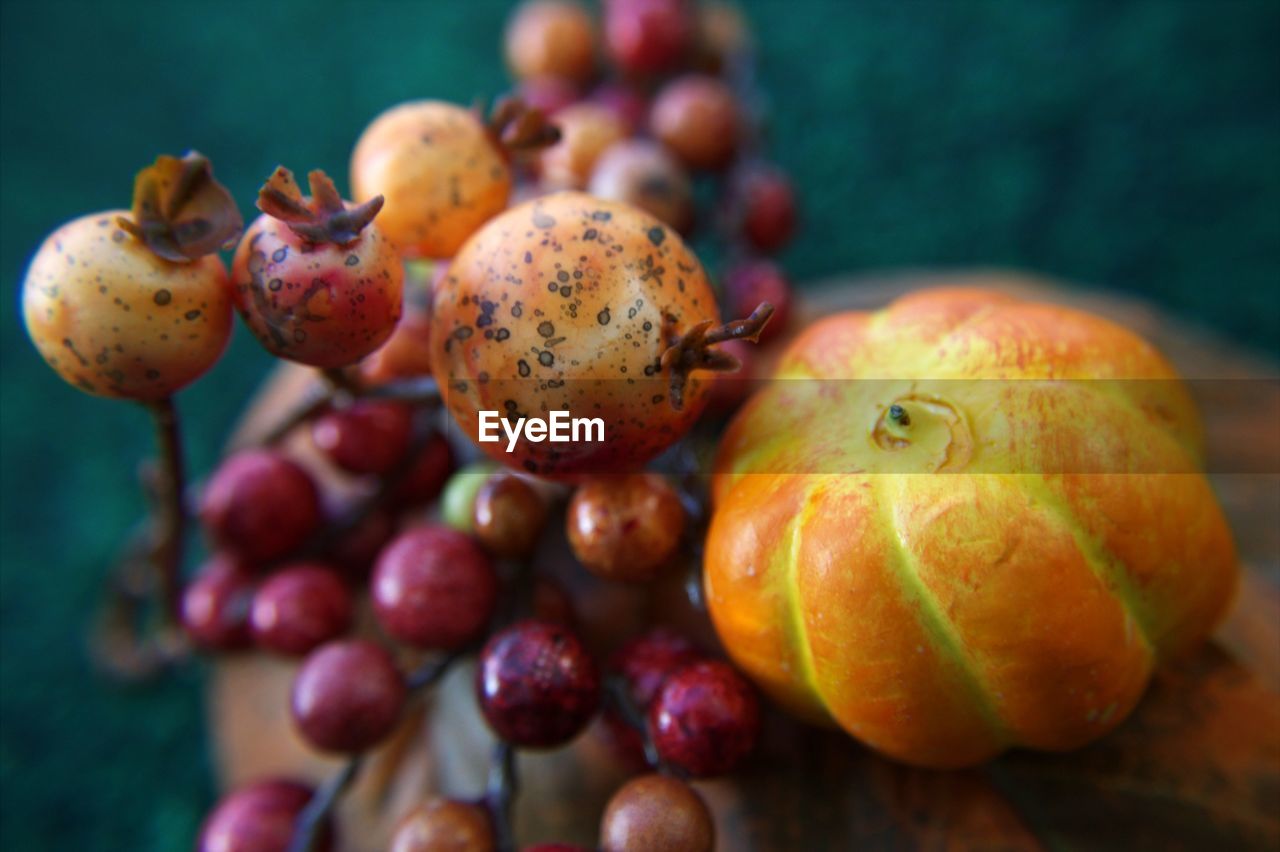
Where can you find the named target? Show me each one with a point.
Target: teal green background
(1131, 145)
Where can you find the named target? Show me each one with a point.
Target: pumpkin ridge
(934, 621)
(798, 627)
(1109, 569)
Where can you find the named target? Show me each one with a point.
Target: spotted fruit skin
(113, 319)
(441, 175)
(319, 304)
(559, 305)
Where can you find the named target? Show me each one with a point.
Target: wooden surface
(1197, 766)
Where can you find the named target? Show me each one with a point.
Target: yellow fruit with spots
(439, 168)
(115, 319)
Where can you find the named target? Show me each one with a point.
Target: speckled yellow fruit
(440, 173)
(115, 320)
(1001, 560)
(567, 303)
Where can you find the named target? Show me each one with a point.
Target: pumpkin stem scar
(179, 211)
(514, 126)
(323, 218)
(692, 350)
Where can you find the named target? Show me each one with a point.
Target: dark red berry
(427, 474)
(347, 696)
(259, 817)
(648, 36)
(555, 847)
(260, 505)
(760, 281)
(537, 685)
(216, 604)
(768, 208)
(644, 664)
(648, 660)
(705, 719)
(370, 436)
(300, 607)
(433, 587)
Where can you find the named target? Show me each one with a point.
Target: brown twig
(692, 350)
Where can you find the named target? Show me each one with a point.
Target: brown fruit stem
(129, 642)
(180, 212)
(692, 350)
(514, 126)
(322, 218)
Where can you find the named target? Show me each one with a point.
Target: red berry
(433, 587)
(215, 605)
(697, 118)
(537, 685)
(768, 208)
(705, 719)
(648, 36)
(555, 847)
(300, 607)
(260, 505)
(755, 282)
(644, 664)
(428, 472)
(347, 696)
(259, 817)
(370, 436)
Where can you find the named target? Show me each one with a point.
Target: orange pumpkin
(1021, 595)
